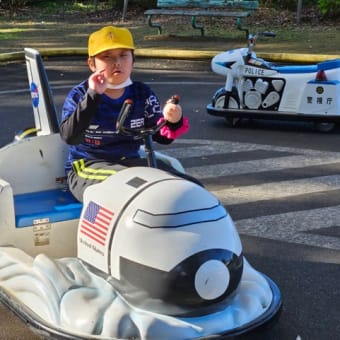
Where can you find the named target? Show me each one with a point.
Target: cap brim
(110, 48)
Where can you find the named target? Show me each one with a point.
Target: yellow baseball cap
(108, 38)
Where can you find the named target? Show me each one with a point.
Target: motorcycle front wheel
(232, 104)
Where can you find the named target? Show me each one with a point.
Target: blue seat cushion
(55, 205)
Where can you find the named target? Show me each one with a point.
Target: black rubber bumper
(271, 115)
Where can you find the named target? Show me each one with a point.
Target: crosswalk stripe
(268, 191)
(303, 158)
(254, 166)
(295, 227)
(298, 226)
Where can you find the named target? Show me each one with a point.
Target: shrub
(287, 4)
(329, 8)
(12, 4)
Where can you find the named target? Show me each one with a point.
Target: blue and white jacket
(88, 123)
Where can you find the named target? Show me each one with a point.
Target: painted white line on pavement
(273, 190)
(172, 83)
(294, 226)
(303, 158)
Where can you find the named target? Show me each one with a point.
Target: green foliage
(19, 4)
(329, 8)
(144, 3)
(12, 4)
(290, 5)
(74, 5)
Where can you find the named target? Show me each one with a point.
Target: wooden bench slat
(195, 8)
(245, 4)
(238, 14)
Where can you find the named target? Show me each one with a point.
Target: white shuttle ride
(147, 255)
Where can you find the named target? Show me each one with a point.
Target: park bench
(202, 8)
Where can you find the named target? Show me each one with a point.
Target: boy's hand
(98, 82)
(172, 112)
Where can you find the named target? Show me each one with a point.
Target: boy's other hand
(172, 112)
(98, 82)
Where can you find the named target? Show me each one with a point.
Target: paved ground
(306, 270)
(301, 166)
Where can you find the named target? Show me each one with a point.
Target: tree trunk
(125, 6)
(298, 12)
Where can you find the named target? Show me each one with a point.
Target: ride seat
(54, 205)
(35, 177)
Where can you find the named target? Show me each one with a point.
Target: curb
(175, 54)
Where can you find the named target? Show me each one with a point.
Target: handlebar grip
(174, 99)
(124, 111)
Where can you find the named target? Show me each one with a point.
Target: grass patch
(49, 24)
(11, 33)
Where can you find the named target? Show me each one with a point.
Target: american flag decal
(95, 223)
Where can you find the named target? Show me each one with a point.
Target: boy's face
(116, 64)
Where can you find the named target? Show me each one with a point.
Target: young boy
(91, 109)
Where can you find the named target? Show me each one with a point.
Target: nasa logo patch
(34, 95)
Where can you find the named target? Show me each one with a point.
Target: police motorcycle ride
(147, 255)
(258, 89)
